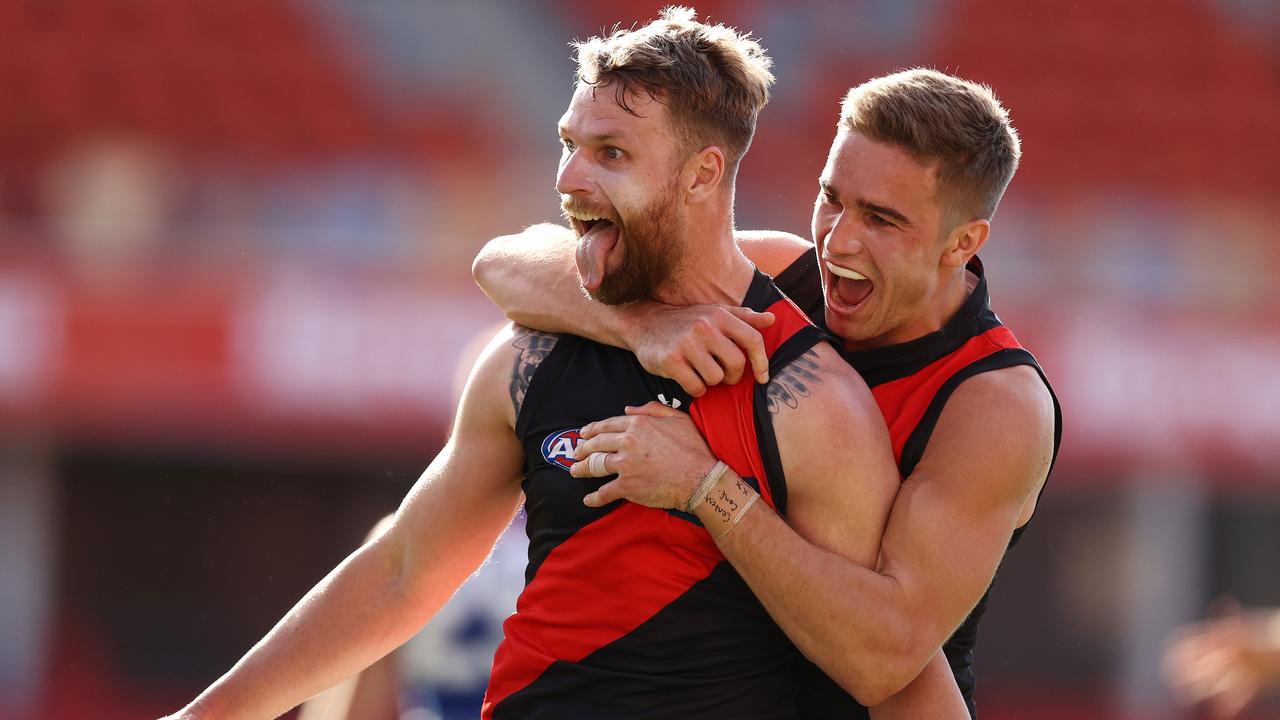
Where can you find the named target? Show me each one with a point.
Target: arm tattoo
(793, 382)
(533, 347)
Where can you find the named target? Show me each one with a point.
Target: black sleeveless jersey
(911, 383)
(628, 611)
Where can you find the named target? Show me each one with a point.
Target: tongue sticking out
(850, 291)
(594, 249)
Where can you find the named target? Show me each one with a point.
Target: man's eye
(877, 220)
(567, 143)
(828, 198)
(613, 153)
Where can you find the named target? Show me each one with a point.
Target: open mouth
(848, 288)
(584, 222)
(589, 225)
(597, 245)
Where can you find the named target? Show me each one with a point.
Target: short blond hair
(713, 79)
(936, 117)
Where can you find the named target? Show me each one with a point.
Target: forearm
(846, 618)
(370, 695)
(357, 614)
(532, 277)
(933, 695)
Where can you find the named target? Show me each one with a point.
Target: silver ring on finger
(596, 464)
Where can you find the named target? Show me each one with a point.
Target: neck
(713, 269)
(950, 296)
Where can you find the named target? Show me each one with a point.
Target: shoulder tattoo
(793, 382)
(532, 348)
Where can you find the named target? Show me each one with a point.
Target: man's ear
(964, 242)
(703, 173)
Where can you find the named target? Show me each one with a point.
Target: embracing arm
(533, 278)
(950, 522)
(383, 593)
(874, 631)
(978, 480)
(841, 480)
(771, 250)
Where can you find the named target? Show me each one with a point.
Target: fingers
(757, 320)
(583, 469)
(708, 369)
(615, 424)
(688, 380)
(603, 443)
(607, 493)
(652, 409)
(745, 335)
(707, 345)
(729, 357)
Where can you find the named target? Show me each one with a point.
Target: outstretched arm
(370, 694)
(533, 278)
(384, 592)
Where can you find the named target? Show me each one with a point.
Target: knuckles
(702, 326)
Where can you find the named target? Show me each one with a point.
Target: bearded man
(629, 610)
(919, 162)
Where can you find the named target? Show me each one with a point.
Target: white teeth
(584, 217)
(845, 272)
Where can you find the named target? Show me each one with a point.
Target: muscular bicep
(771, 250)
(835, 453)
(954, 515)
(460, 505)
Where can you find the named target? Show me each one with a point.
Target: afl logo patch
(558, 447)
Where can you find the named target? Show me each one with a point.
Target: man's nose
(572, 177)
(843, 238)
